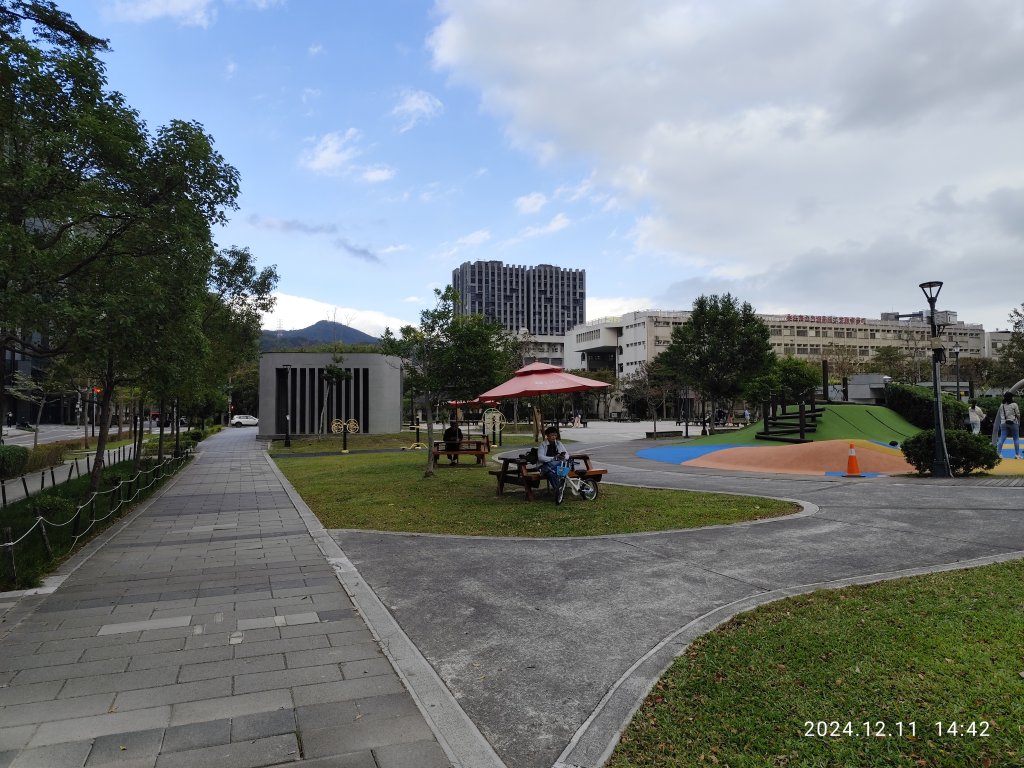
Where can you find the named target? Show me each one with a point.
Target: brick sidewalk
(210, 631)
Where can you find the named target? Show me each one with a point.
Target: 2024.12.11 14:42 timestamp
(909, 729)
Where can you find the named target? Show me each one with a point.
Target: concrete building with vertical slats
(292, 383)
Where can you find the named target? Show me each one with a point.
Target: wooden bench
(516, 471)
(478, 448)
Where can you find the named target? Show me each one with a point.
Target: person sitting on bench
(548, 456)
(452, 437)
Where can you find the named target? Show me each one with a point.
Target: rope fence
(99, 507)
(110, 456)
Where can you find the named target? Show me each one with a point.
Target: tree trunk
(104, 420)
(430, 438)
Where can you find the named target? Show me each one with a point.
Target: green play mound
(840, 422)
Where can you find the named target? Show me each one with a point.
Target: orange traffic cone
(852, 467)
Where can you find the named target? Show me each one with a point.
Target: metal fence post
(9, 549)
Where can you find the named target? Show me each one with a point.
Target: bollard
(42, 480)
(24, 485)
(3, 492)
(9, 554)
(53, 477)
(46, 539)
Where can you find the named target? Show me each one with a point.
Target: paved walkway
(549, 645)
(210, 630)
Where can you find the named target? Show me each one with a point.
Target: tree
(843, 361)
(891, 361)
(450, 356)
(333, 375)
(723, 346)
(653, 385)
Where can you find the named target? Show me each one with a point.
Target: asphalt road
(549, 645)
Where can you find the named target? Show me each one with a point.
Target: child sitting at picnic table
(548, 456)
(452, 437)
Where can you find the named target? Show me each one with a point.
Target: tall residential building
(545, 300)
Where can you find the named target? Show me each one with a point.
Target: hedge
(917, 405)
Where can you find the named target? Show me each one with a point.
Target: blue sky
(810, 156)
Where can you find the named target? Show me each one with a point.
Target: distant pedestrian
(976, 415)
(746, 416)
(1009, 419)
(10, 419)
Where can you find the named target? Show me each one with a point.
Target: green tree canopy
(722, 347)
(450, 356)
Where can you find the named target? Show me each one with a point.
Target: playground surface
(873, 433)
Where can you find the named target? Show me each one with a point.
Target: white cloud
(310, 94)
(378, 173)
(416, 107)
(479, 237)
(598, 307)
(531, 203)
(559, 222)
(749, 136)
(332, 153)
(198, 13)
(315, 49)
(295, 312)
(412, 300)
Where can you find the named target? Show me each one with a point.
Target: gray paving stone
(347, 690)
(388, 706)
(231, 706)
(333, 655)
(249, 648)
(26, 694)
(6, 758)
(120, 748)
(422, 754)
(124, 681)
(364, 734)
(262, 724)
(67, 671)
(248, 754)
(287, 678)
(16, 737)
(174, 694)
(34, 660)
(232, 667)
(323, 628)
(314, 717)
(100, 725)
(69, 755)
(45, 711)
(180, 658)
(366, 668)
(211, 733)
(351, 760)
(224, 638)
(134, 650)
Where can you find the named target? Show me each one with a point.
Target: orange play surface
(807, 458)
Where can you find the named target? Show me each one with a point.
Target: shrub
(13, 459)
(56, 509)
(967, 452)
(196, 435)
(917, 405)
(43, 456)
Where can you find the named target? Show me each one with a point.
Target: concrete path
(209, 630)
(549, 645)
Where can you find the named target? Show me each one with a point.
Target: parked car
(242, 420)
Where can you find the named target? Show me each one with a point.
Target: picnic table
(516, 470)
(477, 448)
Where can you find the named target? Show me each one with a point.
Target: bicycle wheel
(588, 489)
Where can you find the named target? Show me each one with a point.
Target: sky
(807, 156)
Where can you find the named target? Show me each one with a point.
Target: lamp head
(931, 290)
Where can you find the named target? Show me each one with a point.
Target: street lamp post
(940, 463)
(287, 406)
(956, 356)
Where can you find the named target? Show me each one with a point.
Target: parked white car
(242, 420)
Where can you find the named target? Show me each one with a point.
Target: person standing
(548, 457)
(1009, 419)
(452, 439)
(976, 415)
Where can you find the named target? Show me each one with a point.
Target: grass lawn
(387, 492)
(943, 648)
(361, 442)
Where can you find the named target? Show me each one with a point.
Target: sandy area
(807, 458)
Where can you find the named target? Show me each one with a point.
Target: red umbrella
(541, 379)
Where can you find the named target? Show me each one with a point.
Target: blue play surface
(677, 454)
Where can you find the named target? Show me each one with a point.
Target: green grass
(840, 422)
(396, 441)
(937, 648)
(388, 492)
